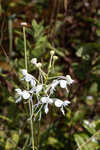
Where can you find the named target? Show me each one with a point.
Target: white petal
(28, 78)
(54, 83)
(33, 90)
(44, 99)
(24, 71)
(46, 109)
(86, 122)
(51, 91)
(67, 90)
(39, 88)
(69, 80)
(53, 86)
(62, 110)
(26, 94)
(50, 101)
(58, 103)
(19, 91)
(65, 103)
(63, 83)
(33, 82)
(18, 99)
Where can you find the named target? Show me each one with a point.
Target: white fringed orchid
(69, 80)
(22, 95)
(46, 101)
(61, 104)
(42, 90)
(28, 77)
(53, 86)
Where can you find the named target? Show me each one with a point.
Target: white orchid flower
(53, 86)
(39, 88)
(46, 101)
(58, 102)
(63, 83)
(25, 94)
(22, 95)
(69, 80)
(61, 104)
(36, 89)
(28, 77)
(19, 91)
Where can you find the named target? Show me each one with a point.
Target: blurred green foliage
(75, 36)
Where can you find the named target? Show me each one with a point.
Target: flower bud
(55, 57)
(23, 24)
(38, 65)
(52, 52)
(34, 61)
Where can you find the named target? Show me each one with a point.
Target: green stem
(25, 51)
(38, 134)
(26, 66)
(49, 69)
(31, 125)
(49, 78)
(10, 29)
(50, 64)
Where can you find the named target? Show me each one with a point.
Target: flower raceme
(43, 91)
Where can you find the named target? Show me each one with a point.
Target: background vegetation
(72, 28)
